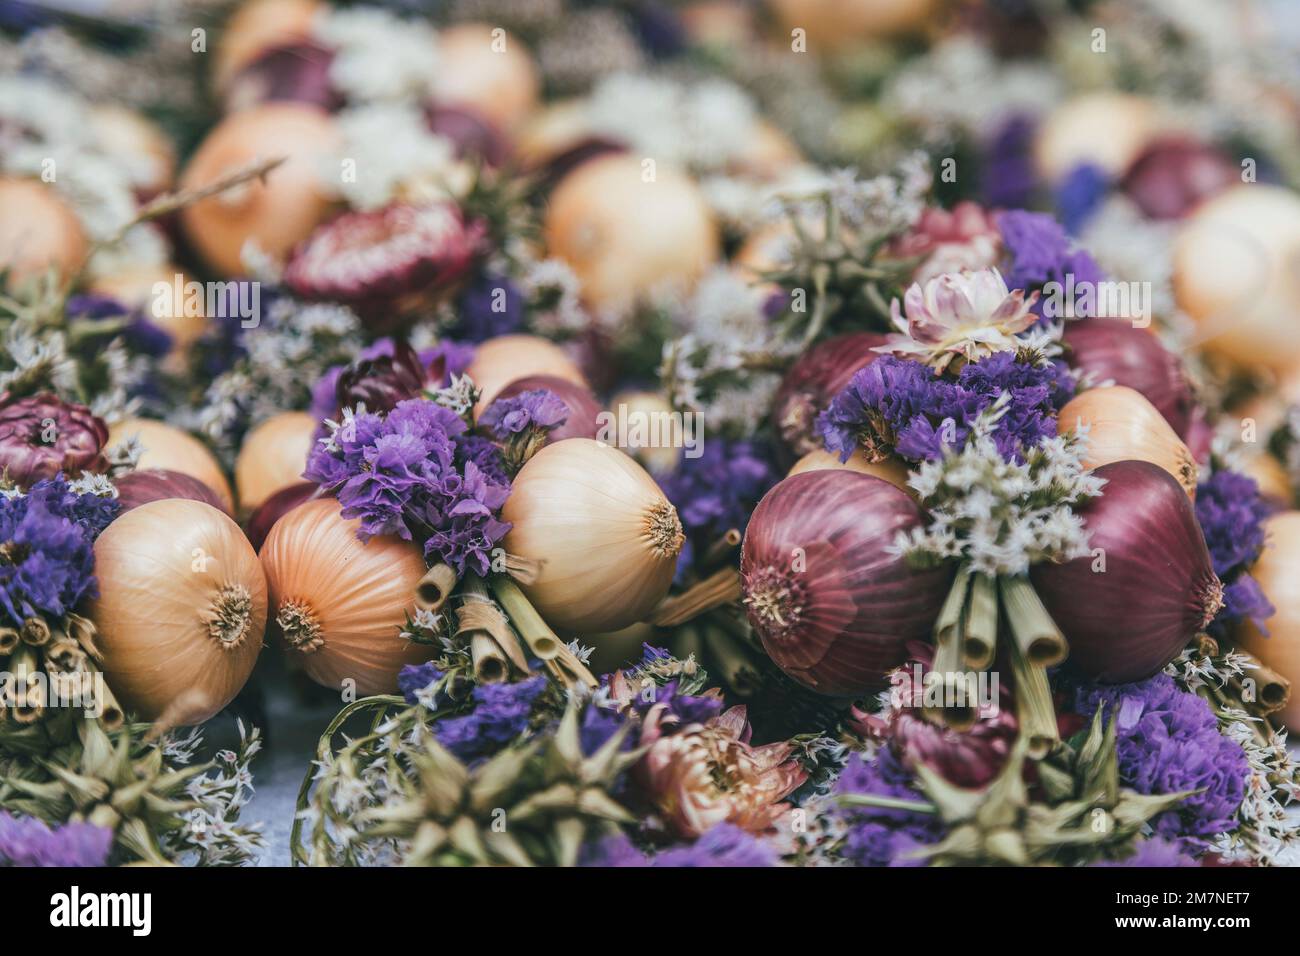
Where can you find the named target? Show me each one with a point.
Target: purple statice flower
(1080, 194)
(142, 336)
(902, 405)
(324, 394)
(447, 360)
(414, 678)
(27, 841)
(490, 306)
(539, 408)
(502, 712)
(486, 456)
(723, 844)
(1040, 251)
(877, 836)
(1231, 513)
(1008, 179)
(400, 474)
(1154, 852)
(686, 709)
(46, 558)
(598, 725)
(1168, 740)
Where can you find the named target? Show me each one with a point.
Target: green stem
(1034, 710)
(885, 803)
(979, 643)
(537, 634)
(1036, 634)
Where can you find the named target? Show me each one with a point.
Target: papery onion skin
(167, 447)
(1114, 350)
(142, 486)
(258, 26)
(1158, 588)
(498, 80)
(340, 604)
(502, 360)
(584, 410)
(181, 609)
(606, 536)
(812, 382)
(1277, 575)
(833, 608)
(38, 231)
(891, 469)
(265, 515)
(273, 457)
(295, 73)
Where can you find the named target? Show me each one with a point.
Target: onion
(142, 486)
(1275, 572)
(1068, 138)
(810, 385)
(833, 607)
(583, 420)
(265, 515)
(836, 24)
(277, 213)
(170, 448)
(136, 143)
(498, 362)
(297, 73)
(494, 77)
(258, 26)
(38, 230)
(181, 609)
(624, 236)
(1116, 351)
(1157, 589)
(1174, 174)
(604, 534)
(1124, 426)
(891, 469)
(1236, 275)
(341, 604)
(273, 457)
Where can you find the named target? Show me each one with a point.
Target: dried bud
(41, 435)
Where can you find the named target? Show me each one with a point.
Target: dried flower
(41, 435)
(878, 836)
(1231, 513)
(27, 841)
(722, 845)
(379, 381)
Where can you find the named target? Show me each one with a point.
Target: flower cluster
(539, 408)
(1039, 251)
(27, 841)
(410, 473)
(1231, 513)
(878, 836)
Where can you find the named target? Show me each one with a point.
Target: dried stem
(537, 634)
(722, 587)
(435, 587)
(1034, 710)
(1040, 640)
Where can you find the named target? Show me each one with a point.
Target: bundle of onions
(584, 411)
(833, 607)
(1124, 426)
(273, 457)
(810, 384)
(1130, 606)
(340, 604)
(140, 487)
(604, 535)
(181, 609)
(1111, 350)
(506, 358)
(171, 449)
(265, 515)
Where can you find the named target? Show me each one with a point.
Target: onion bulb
(482, 67)
(604, 534)
(166, 447)
(836, 24)
(142, 486)
(624, 235)
(812, 382)
(1237, 274)
(276, 213)
(38, 230)
(583, 420)
(136, 143)
(832, 606)
(261, 25)
(273, 456)
(1124, 426)
(1069, 136)
(891, 469)
(340, 604)
(1275, 572)
(181, 609)
(1147, 587)
(499, 361)
(265, 515)
(634, 406)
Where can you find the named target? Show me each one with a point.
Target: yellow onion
(273, 456)
(836, 24)
(339, 604)
(1276, 574)
(170, 448)
(38, 230)
(1107, 130)
(604, 534)
(136, 143)
(494, 75)
(278, 213)
(1124, 426)
(1237, 274)
(498, 362)
(181, 609)
(645, 405)
(624, 236)
(259, 26)
(892, 470)
(1273, 480)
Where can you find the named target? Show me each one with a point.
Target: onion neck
(775, 602)
(230, 616)
(300, 627)
(664, 529)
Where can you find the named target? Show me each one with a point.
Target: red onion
(1114, 349)
(472, 135)
(810, 384)
(298, 72)
(1158, 588)
(276, 507)
(1174, 174)
(140, 487)
(584, 410)
(833, 607)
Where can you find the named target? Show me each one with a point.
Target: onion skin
(891, 469)
(810, 385)
(349, 599)
(38, 231)
(499, 81)
(833, 607)
(1275, 572)
(1115, 350)
(606, 536)
(584, 410)
(265, 515)
(142, 486)
(502, 360)
(181, 609)
(1173, 175)
(273, 457)
(1158, 588)
(175, 450)
(258, 26)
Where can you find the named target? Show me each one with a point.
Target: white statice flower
(743, 204)
(1133, 248)
(554, 294)
(872, 208)
(394, 155)
(725, 314)
(91, 483)
(379, 56)
(742, 408)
